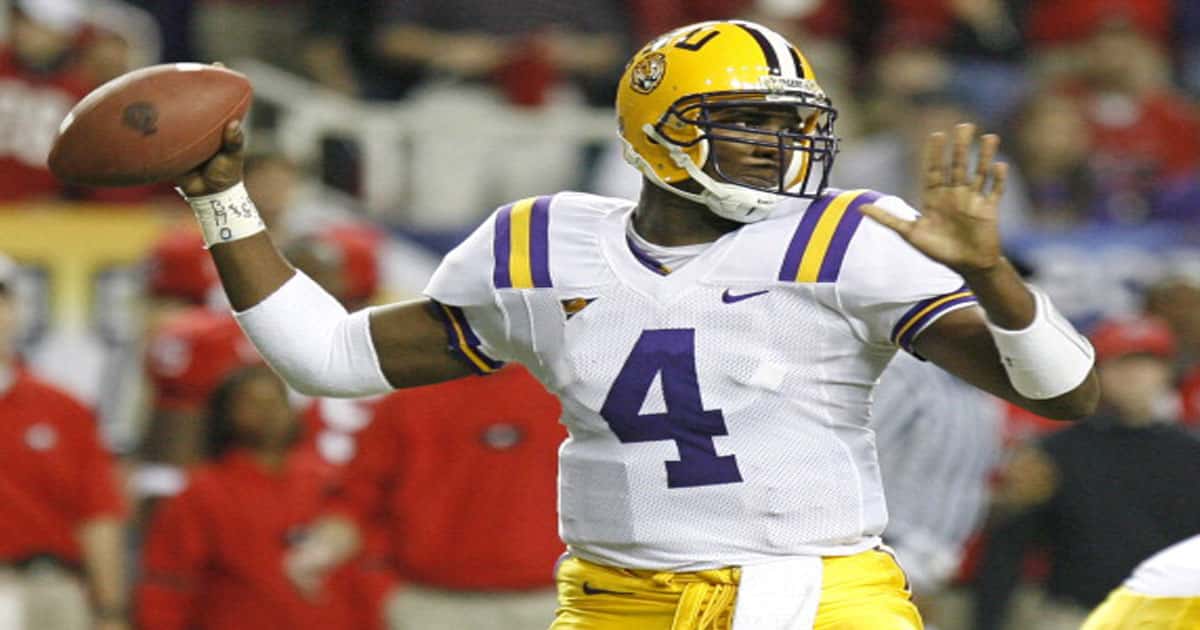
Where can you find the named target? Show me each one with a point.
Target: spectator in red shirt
(214, 554)
(39, 82)
(1146, 133)
(54, 55)
(1115, 142)
(462, 477)
(195, 345)
(63, 515)
(190, 347)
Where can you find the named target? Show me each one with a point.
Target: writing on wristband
(226, 216)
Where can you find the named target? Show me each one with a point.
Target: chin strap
(729, 201)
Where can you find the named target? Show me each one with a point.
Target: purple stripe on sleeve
(539, 242)
(470, 338)
(916, 308)
(906, 340)
(804, 231)
(501, 247)
(832, 265)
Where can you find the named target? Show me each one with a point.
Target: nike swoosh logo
(589, 590)
(730, 298)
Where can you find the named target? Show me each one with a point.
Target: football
(150, 125)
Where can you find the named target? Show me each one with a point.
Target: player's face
(746, 148)
(262, 417)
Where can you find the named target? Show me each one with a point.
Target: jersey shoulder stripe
(819, 244)
(925, 312)
(521, 245)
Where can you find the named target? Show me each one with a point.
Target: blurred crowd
(1095, 97)
(157, 476)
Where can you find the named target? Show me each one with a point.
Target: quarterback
(714, 344)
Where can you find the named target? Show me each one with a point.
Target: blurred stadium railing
(304, 115)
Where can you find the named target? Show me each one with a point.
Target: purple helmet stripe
(768, 51)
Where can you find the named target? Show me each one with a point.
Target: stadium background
(1096, 101)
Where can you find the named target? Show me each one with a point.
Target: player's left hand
(958, 226)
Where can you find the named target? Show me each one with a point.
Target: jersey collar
(640, 276)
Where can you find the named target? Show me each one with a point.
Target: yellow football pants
(1125, 610)
(866, 591)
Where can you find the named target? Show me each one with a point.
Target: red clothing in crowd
(214, 554)
(464, 474)
(191, 352)
(333, 430)
(31, 108)
(1158, 132)
(55, 473)
(359, 247)
(654, 17)
(1189, 394)
(178, 266)
(1065, 21)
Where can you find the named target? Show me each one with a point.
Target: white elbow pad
(308, 338)
(1049, 357)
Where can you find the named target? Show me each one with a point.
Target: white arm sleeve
(310, 340)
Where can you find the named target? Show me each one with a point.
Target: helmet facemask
(803, 154)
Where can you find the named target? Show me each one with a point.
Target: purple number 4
(670, 352)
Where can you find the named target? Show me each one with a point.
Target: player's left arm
(1018, 347)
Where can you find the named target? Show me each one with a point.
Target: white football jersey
(718, 413)
(1172, 572)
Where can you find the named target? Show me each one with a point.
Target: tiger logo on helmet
(675, 84)
(648, 73)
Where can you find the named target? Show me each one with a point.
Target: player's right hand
(223, 170)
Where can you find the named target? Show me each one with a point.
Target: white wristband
(1046, 359)
(226, 216)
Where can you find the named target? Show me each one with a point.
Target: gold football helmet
(673, 86)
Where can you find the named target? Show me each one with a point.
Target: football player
(714, 344)
(1163, 593)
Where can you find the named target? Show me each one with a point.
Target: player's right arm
(301, 330)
